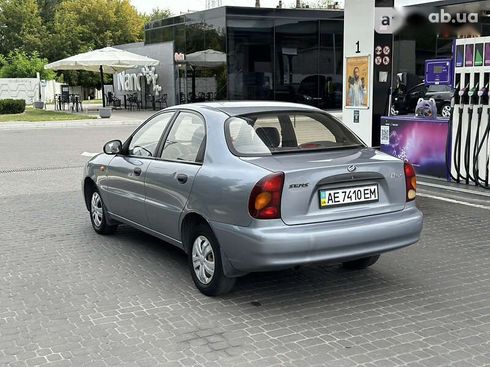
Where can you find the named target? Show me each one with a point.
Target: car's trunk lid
(308, 173)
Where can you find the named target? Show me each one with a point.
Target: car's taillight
(265, 199)
(410, 181)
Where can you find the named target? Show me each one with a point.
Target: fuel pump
(482, 148)
(469, 123)
(457, 127)
(455, 101)
(470, 131)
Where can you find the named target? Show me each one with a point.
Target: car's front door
(169, 179)
(126, 173)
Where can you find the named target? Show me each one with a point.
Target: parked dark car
(320, 91)
(405, 100)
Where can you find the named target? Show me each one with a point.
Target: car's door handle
(182, 178)
(137, 171)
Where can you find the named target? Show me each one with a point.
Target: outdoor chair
(134, 102)
(76, 103)
(113, 100)
(63, 101)
(162, 101)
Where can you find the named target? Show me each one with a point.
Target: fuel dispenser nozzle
(483, 95)
(473, 95)
(455, 97)
(463, 95)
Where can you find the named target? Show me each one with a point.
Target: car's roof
(237, 108)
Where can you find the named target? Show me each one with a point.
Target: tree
(47, 10)
(80, 26)
(19, 64)
(157, 14)
(21, 26)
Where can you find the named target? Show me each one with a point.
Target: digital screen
(438, 69)
(468, 60)
(459, 55)
(487, 54)
(478, 54)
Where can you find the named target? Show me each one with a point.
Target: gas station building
(320, 57)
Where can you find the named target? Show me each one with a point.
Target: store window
(296, 61)
(250, 58)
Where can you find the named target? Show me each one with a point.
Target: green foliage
(19, 64)
(80, 26)
(157, 14)
(21, 26)
(11, 106)
(56, 29)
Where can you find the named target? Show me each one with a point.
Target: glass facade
(271, 54)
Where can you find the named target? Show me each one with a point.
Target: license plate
(348, 195)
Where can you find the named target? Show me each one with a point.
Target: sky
(179, 6)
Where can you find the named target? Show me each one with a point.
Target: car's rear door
(169, 179)
(126, 173)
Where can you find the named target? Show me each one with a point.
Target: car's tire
(446, 110)
(360, 263)
(205, 263)
(98, 215)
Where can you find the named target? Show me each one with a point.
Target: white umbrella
(206, 58)
(107, 59)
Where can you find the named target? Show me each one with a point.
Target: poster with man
(357, 76)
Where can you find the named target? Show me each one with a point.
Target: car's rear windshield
(287, 132)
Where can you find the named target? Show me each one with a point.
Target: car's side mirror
(113, 147)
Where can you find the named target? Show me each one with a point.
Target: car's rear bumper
(271, 244)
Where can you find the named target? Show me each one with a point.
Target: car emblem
(351, 168)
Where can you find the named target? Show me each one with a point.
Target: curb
(64, 124)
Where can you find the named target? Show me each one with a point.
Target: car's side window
(186, 139)
(145, 141)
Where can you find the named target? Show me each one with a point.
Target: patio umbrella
(206, 58)
(108, 59)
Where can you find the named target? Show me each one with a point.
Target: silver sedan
(253, 186)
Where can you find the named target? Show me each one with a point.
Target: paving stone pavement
(69, 297)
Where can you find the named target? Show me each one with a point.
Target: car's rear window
(287, 132)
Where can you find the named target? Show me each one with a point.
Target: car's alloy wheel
(203, 259)
(96, 209)
(205, 262)
(98, 215)
(446, 111)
